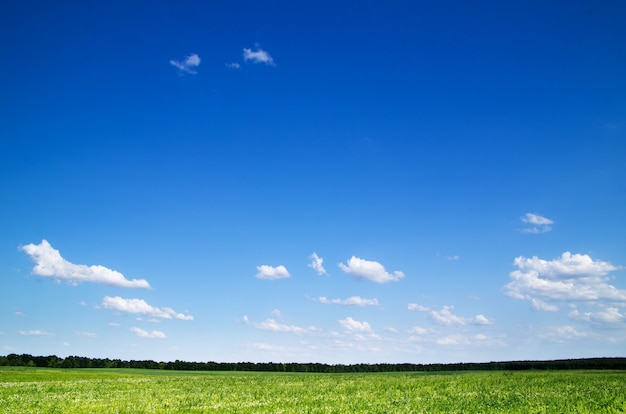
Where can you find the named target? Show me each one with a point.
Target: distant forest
(52, 361)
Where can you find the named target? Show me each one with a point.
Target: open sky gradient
(328, 181)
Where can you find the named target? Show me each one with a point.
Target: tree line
(53, 361)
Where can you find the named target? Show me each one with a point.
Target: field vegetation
(49, 390)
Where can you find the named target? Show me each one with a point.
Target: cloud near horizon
(569, 278)
(445, 316)
(351, 301)
(369, 270)
(140, 306)
(266, 272)
(272, 325)
(188, 65)
(145, 334)
(49, 263)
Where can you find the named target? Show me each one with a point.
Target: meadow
(47, 390)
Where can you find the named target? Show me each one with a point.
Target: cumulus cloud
(609, 315)
(187, 65)
(568, 332)
(258, 56)
(571, 277)
(417, 330)
(369, 270)
(351, 301)
(447, 318)
(540, 305)
(272, 273)
(140, 306)
(414, 307)
(145, 334)
(34, 332)
(317, 264)
(49, 263)
(539, 224)
(272, 325)
(352, 325)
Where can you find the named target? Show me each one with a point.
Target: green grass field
(41, 390)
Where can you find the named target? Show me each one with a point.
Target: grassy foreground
(42, 390)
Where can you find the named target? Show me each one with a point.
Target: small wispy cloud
(369, 270)
(414, 307)
(258, 56)
(351, 301)
(274, 326)
(140, 306)
(317, 264)
(447, 318)
(49, 263)
(34, 332)
(539, 224)
(266, 272)
(610, 315)
(233, 65)
(187, 65)
(91, 335)
(145, 334)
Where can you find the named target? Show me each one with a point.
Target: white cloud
(571, 277)
(355, 326)
(267, 347)
(480, 320)
(608, 315)
(317, 264)
(453, 258)
(188, 65)
(351, 301)
(416, 330)
(49, 263)
(233, 65)
(447, 318)
(35, 332)
(568, 332)
(540, 305)
(87, 334)
(277, 313)
(369, 270)
(414, 307)
(272, 325)
(272, 273)
(145, 334)
(258, 56)
(140, 306)
(540, 224)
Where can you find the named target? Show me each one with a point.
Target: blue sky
(335, 182)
